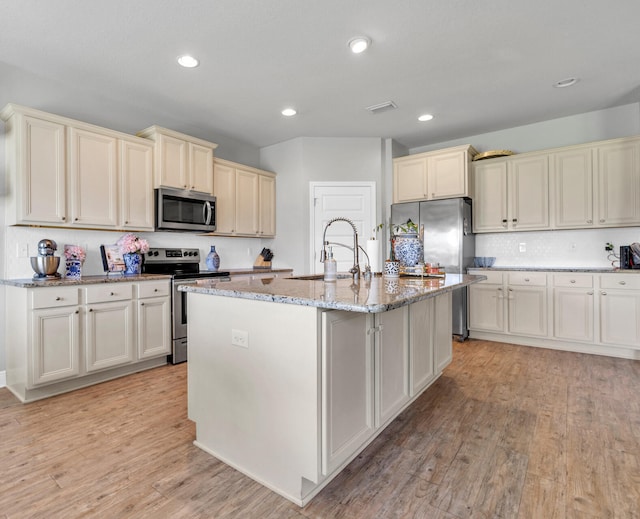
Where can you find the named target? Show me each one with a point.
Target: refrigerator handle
(465, 226)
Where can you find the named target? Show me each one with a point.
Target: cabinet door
(619, 184)
(94, 178)
(55, 346)
(267, 188)
(224, 189)
(108, 334)
(392, 361)
(620, 317)
(490, 203)
(573, 314)
(246, 202)
(527, 310)
(486, 307)
(347, 387)
(136, 185)
(447, 175)
(421, 344)
(200, 168)
(528, 182)
(442, 348)
(171, 162)
(572, 192)
(41, 173)
(154, 327)
(410, 180)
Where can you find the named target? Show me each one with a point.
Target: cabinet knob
(185, 187)
(126, 222)
(91, 309)
(590, 293)
(77, 311)
(511, 290)
(603, 293)
(141, 304)
(64, 218)
(589, 221)
(622, 282)
(111, 294)
(572, 281)
(514, 220)
(75, 219)
(155, 289)
(601, 220)
(526, 280)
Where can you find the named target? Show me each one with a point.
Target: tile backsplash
(575, 248)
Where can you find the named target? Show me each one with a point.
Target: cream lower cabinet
(442, 348)
(245, 200)
(619, 298)
(573, 307)
(584, 312)
(65, 337)
(55, 332)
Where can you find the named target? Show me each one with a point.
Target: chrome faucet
(355, 270)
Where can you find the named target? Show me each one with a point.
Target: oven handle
(206, 212)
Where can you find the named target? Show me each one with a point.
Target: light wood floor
(507, 431)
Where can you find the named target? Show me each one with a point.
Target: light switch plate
(240, 338)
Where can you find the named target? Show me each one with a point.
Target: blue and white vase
(391, 269)
(132, 263)
(213, 260)
(73, 269)
(408, 249)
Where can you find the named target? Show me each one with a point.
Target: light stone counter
(380, 294)
(586, 270)
(84, 280)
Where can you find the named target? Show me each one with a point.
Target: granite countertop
(592, 270)
(84, 280)
(251, 270)
(380, 294)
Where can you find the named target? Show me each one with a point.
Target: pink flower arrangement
(74, 252)
(130, 243)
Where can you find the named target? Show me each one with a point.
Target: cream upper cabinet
(136, 184)
(36, 169)
(490, 203)
(512, 194)
(247, 210)
(224, 188)
(181, 161)
(245, 200)
(572, 193)
(93, 168)
(66, 173)
(619, 183)
(433, 175)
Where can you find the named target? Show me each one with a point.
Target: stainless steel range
(183, 265)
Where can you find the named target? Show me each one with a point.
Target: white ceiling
(478, 66)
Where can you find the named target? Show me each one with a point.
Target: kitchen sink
(315, 277)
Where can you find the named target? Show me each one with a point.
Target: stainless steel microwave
(182, 210)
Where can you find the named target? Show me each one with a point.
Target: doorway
(353, 200)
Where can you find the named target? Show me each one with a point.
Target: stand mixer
(45, 264)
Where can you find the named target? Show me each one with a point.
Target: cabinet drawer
(153, 289)
(109, 292)
(572, 280)
(54, 296)
(538, 279)
(628, 281)
(493, 277)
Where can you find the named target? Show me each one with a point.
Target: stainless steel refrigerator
(448, 241)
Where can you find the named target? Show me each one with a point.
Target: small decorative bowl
(484, 262)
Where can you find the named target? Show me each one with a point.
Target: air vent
(382, 107)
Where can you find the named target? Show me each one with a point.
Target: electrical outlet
(608, 247)
(240, 338)
(249, 252)
(22, 250)
(523, 247)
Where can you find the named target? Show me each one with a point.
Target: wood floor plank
(506, 431)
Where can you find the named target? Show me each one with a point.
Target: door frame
(373, 211)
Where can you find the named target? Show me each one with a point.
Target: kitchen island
(289, 379)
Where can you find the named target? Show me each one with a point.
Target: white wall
(308, 159)
(620, 121)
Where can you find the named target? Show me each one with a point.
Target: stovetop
(178, 262)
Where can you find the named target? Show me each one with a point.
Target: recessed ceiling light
(563, 83)
(359, 44)
(188, 61)
(289, 112)
(425, 117)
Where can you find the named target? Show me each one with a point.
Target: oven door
(181, 210)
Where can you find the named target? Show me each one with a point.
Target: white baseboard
(3, 378)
